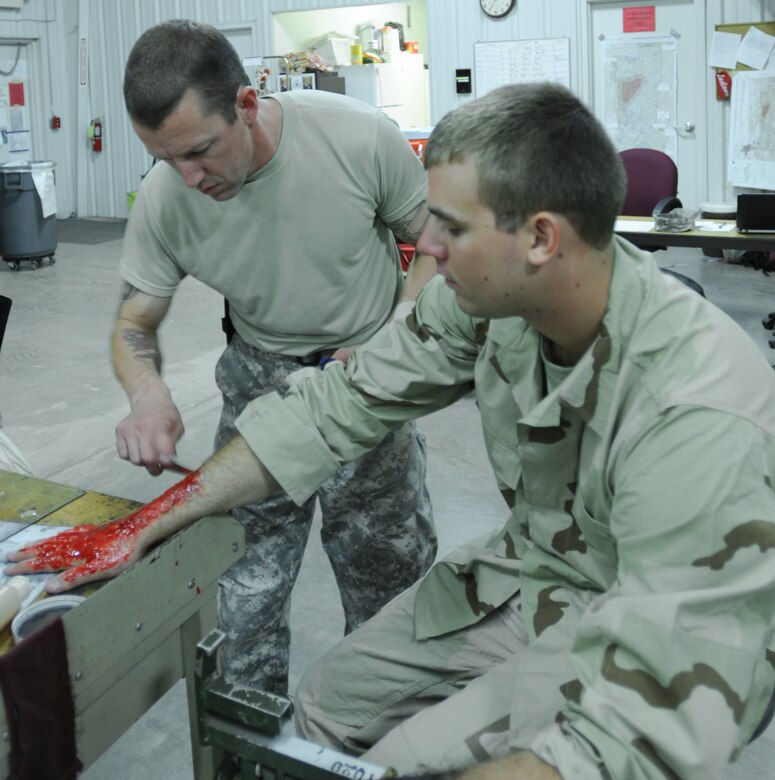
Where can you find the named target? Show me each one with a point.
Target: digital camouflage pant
(377, 530)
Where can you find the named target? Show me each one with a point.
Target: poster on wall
(639, 102)
(751, 133)
(15, 135)
(640, 19)
(16, 93)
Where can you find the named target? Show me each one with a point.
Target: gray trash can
(25, 234)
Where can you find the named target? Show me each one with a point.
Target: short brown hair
(175, 56)
(536, 148)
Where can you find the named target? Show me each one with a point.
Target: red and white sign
(16, 93)
(723, 85)
(640, 19)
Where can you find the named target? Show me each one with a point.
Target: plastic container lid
(27, 166)
(719, 208)
(677, 221)
(41, 613)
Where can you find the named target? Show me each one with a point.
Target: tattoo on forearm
(409, 228)
(143, 346)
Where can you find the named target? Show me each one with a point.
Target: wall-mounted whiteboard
(513, 62)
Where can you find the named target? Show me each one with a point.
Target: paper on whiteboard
(633, 225)
(713, 226)
(755, 48)
(723, 50)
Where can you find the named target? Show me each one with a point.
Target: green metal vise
(246, 726)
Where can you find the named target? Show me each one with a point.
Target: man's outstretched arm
(232, 477)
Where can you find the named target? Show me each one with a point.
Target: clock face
(497, 8)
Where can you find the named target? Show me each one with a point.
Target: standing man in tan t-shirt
(226, 204)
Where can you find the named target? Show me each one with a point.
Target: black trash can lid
(26, 166)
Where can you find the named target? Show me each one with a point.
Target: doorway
(404, 79)
(644, 85)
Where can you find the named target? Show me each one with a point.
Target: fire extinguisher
(95, 133)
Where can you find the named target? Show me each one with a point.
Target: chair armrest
(666, 205)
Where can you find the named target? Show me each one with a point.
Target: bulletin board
(515, 62)
(742, 29)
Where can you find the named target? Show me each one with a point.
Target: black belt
(315, 358)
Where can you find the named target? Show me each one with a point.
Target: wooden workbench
(135, 636)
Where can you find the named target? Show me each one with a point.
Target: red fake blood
(99, 548)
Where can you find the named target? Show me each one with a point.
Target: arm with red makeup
(232, 477)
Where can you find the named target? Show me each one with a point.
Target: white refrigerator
(398, 87)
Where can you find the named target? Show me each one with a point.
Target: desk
(135, 636)
(702, 239)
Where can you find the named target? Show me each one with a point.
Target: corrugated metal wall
(113, 29)
(91, 184)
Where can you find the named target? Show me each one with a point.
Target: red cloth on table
(35, 684)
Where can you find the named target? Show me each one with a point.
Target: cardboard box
(335, 51)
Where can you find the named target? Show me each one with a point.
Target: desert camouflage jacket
(642, 533)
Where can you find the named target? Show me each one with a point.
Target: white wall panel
(114, 28)
(453, 27)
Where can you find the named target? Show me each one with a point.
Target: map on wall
(752, 130)
(639, 84)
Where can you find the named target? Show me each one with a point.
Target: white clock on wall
(497, 9)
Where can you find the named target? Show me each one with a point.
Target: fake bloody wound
(96, 548)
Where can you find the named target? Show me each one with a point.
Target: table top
(54, 505)
(136, 634)
(703, 239)
(57, 504)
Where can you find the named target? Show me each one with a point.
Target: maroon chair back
(651, 176)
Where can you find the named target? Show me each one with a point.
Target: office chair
(652, 183)
(690, 283)
(652, 186)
